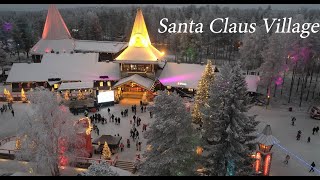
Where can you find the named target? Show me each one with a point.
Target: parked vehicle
(315, 112)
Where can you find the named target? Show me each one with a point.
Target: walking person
(150, 114)
(141, 109)
(12, 111)
(312, 167)
(109, 111)
(145, 109)
(121, 146)
(314, 130)
(309, 139)
(121, 113)
(286, 161)
(137, 134)
(293, 120)
(128, 143)
(139, 146)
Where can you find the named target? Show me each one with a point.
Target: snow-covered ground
(301, 152)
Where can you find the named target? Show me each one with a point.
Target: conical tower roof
(266, 137)
(55, 28)
(140, 48)
(55, 37)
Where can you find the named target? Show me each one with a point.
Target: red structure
(264, 155)
(84, 131)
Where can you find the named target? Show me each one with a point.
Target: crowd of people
(115, 117)
(315, 130)
(7, 107)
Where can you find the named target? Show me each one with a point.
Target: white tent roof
(252, 82)
(55, 27)
(75, 85)
(145, 82)
(55, 35)
(266, 137)
(45, 46)
(68, 67)
(100, 46)
(187, 75)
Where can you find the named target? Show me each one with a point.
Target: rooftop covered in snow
(68, 67)
(75, 85)
(99, 46)
(55, 36)
(140, 47)
(181, 75)
(144, 82)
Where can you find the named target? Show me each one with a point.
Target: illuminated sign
(182, 84)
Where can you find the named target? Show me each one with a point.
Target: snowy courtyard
(301, 152)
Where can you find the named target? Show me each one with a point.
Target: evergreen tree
(106, 153)
(102, 169)
(202, 94)
(171, 144)
(228, 130)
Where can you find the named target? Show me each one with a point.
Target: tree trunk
(301, 93)
(310, 82)
(315, 86)
(284, 77)
(292, 82)
(275, 89)
(298, 84)
(55, 171)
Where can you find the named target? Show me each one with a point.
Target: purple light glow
(278, 80)
(176, 79)
(7, 26)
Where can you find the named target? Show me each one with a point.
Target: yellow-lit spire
(140, 47)
(139, 35)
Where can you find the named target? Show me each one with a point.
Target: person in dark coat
(312, 167)
(119, 120)
(108, 110)
(150, 114)
(128, 143)
(309, 139)
(314, 130)
(121, 113)
(137, 134)
(145, 109)
(141, 109)
(293, 120)
(12, 111)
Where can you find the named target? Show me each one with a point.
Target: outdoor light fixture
(264, 155)
(109, 83)
(56, 86)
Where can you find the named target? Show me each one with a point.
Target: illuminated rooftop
(140, 47)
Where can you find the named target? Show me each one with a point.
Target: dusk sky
(33, 7)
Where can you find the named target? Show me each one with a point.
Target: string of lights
(297, 157)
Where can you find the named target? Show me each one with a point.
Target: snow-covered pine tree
(228, 129)
(102, 169)
(202, 94)
(44, 130)
(106, 153)
(171, 141)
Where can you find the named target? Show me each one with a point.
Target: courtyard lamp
(264, 155)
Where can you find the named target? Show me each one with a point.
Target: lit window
(101, 84)
(168, 87)
(56, 86)
(190, 89)
(109, 83)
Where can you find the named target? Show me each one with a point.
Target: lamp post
(264, 155)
